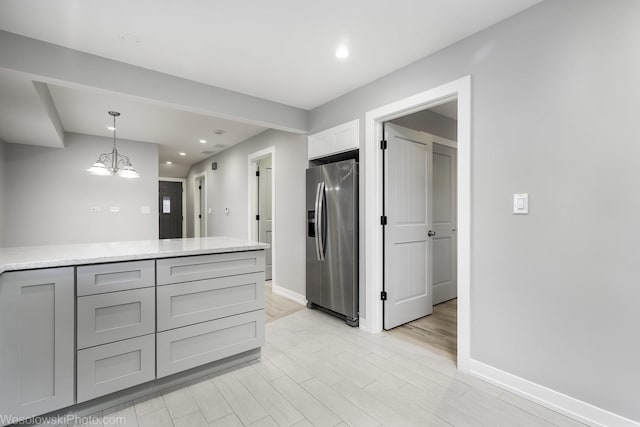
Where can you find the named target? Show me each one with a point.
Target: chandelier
(113, 163)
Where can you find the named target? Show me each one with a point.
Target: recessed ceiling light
(169, 163)
(203, 141)
(342, 52)
(183, 154)
(111, 128)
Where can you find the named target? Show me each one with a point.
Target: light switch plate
(114, 209)
(521, 203)
(145, 210)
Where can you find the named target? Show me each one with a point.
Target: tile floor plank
(351, 414)
(245, 406)
(313, 410)
(179, 401)
(209, 400)
(276, 405)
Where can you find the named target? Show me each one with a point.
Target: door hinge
(383, 220)
(257, 217)
(383, 295)
(257, 173)
(383, 144)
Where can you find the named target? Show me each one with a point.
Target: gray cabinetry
(185, 269)
(115, 316)
(184, 304)
(36, 341)
(116, 327)
(116, 366)
(117, 276)
(195, 345)
(211, 307)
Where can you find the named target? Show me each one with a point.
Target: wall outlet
(95, 209)
(145, 210)
(114, 209)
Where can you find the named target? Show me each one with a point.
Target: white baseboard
(567, 405)
(287, 293)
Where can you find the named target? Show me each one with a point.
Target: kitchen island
(87, 326)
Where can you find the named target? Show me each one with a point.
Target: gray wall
(48, 194)
(430, 122)
(2, 190)
(227, 188)
(555, 99)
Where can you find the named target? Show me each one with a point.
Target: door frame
(196, 203)
(252, 201)
(372, 183)
(184, 200)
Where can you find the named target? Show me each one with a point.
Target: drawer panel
(191, 346)
(116, 366)
(118, 276)
(184, 304)
(116, 316)
(200, 267)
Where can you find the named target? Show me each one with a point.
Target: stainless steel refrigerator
(332, 239)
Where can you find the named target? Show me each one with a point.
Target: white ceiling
(85, 111)
(280, 50)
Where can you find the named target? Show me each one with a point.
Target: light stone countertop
(31, 257)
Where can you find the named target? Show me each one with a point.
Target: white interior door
(264, 210)
(407, 247)
(445, 283)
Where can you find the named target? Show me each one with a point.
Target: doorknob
(431, 233)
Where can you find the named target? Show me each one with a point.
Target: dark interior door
(170, 209)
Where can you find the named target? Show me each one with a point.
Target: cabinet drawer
(116, 316)
(184, 304)
(111, 367)
(191, 346)
(187, 269)
(119, 276)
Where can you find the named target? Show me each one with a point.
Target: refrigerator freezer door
(314, 270)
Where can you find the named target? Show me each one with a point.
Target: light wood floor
(436, 332)
(277, 306)
(316, 371)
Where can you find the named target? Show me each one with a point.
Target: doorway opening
(171, 202)
(262, 204)
(200, 205)
(420, 193)
(459, 90)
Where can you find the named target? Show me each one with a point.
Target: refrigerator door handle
(319, 216)
(315, 224)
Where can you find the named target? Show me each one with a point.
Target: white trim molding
(567, 405)
(289, 294)
(184, 200)
(252, 228)
(461, 90)
(196, 202)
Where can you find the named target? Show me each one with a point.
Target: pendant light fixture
(113, 163)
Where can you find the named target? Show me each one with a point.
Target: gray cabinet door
(117, 276)
(185, 348)
(36, 341)
(188, 303)
(186, 269)
(112, 367)
(106, 318)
